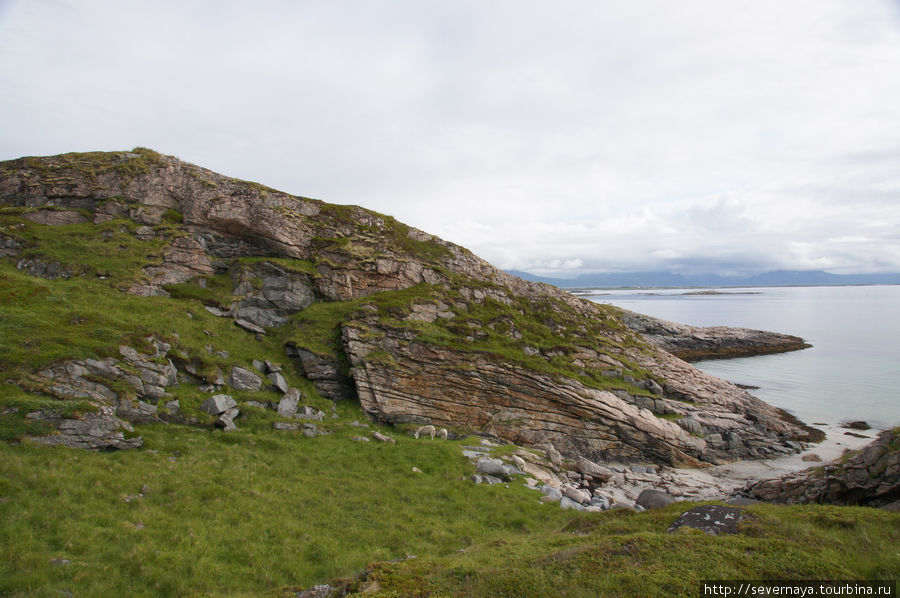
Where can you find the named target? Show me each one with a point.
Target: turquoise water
(852, 370)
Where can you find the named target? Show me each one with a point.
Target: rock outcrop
(870, 476)
(423, 331)
(693, 343)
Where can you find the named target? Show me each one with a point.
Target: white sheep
(425, 430)
(442, 433)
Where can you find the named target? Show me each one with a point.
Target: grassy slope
(621, 553)
(253, 512)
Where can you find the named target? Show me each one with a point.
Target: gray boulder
(278, 381)
(218, 404)
(495, 467)
(226, 419)
(568, 503)
(579, 496)
(287, 406)
(598, 472)
(600, 501)
(242, 379)
(307, 412)
(551, 492)
(653, 499)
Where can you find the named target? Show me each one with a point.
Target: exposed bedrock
(401, 380)
(870, 476)
(551, 368)
(693, 343)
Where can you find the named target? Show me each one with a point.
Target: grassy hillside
(261, 512)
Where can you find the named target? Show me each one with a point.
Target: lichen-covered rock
(243, 379)
(100, 430)
(712, 519)
(287, 406)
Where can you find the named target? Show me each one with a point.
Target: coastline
(721, 482)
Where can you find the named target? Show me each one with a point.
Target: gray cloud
(723, 135)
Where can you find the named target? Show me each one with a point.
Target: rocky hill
(140, 288)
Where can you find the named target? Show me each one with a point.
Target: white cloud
(717, 134)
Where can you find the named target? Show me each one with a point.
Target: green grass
(256, 512)
(241, 513)
(631, 554)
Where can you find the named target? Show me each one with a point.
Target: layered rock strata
(446, 339)
(693, 343)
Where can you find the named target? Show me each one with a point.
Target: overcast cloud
(692, 136)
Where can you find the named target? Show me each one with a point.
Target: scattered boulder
(307, 412)
(382, 437)
(218, 404)
(712, 519)
(249, 326)
(489, 466)
(811, 457)
(568, 503)
(287, 406)
(226, 420)
(101, 430)
(653, 499)
(856, 425)
(579, 496)
(551, 493)
(598, 472)
(496, 467)
(278, 381)
(242, 379)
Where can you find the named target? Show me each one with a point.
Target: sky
(558, 138)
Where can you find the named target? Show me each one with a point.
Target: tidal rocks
(693, 343)
(871, 476)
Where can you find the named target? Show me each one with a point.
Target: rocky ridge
(419, 329)
(693, 343)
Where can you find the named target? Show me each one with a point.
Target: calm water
(852, 370)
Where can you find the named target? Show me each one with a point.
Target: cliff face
(419, 329)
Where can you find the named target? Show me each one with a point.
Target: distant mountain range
(777, 278)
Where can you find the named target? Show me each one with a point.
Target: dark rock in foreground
(712, 519)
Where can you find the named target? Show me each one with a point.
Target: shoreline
(720, 482)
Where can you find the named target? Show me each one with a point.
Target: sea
(852, 370)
